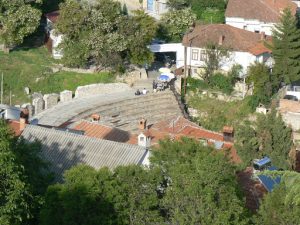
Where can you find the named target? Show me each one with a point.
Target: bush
(222, 83)
(193, 84)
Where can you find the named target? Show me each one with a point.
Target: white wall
(245, 59)
(250, 25)
(56, 40)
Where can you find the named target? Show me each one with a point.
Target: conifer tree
(286, 49)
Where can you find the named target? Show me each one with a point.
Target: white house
(245, 47)
(54, 39)
(256, 15)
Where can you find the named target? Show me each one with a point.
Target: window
(195, 53)
(202, 55)
(256, 31)
(142, 138)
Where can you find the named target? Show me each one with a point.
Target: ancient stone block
(38, 105)
(50, 100)
(65, 96)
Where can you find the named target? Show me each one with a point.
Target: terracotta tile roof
(262, 10)
(259, 49)
(233, 38)
(103, 132)
(15, 127)
(52, 16)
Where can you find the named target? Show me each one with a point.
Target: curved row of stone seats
(113, 108)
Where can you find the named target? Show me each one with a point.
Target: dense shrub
(221, 82)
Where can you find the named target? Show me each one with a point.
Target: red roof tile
(233, 38)
(103, 132)
(52, 16)
(268, 11)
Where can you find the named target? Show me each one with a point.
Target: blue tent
(163, 78)
(264, 162)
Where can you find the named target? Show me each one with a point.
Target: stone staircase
(126, 114)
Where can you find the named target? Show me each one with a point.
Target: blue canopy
(263, 161)
(163, 78)
(269, 181)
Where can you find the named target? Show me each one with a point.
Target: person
(154, 84)
(137, 92)
(144, 91)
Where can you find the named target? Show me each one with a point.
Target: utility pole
(185, 70)
(10, 97)
(2, 88)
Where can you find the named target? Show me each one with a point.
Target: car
(290, 97)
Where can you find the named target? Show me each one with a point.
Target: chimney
(228, 133)
(221, 39)
(144, 140)
(142, 124)
(22, 123)
(262, 36)
(95, 117)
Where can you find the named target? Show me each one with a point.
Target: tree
(18, 19)
(216, 57)
(260, 76)
(282, 205)
(286, 49)
(24, 179)
(125, 196)
(200, 186)
(269, 136)
(174, 24)
(143, 29)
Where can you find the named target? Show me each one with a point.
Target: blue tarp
(163, 78)
(263, 161)
(269, 182)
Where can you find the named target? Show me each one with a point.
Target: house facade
(257, 15)
(244, 47)
(54, 39)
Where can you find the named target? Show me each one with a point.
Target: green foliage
(175, 24)
(194, 84)
(144, 29)
(212, 16)
(216, 113)
(201, 185)
(286, 50)
(282, 205)
(125, 196)
(32, 68)
(221, 82)
(102, 34)
(215, 58)
(269, 136)
(24, 179)
(260, 76)
(18, 19)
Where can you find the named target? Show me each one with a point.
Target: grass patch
(215, 113)
(70, 81)
(32, 68)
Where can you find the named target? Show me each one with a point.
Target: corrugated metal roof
(65, 150)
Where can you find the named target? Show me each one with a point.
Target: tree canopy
(100, 33)
(268, 136)
(282, 205)
(260, 76)
(286, 49)
(24, 179)
(18, 19)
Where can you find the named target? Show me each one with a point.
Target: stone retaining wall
(95, 89)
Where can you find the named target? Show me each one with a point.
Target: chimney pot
(221, 39)
(22, 123)
(142, 124)
(95, 117)
(262, 36)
